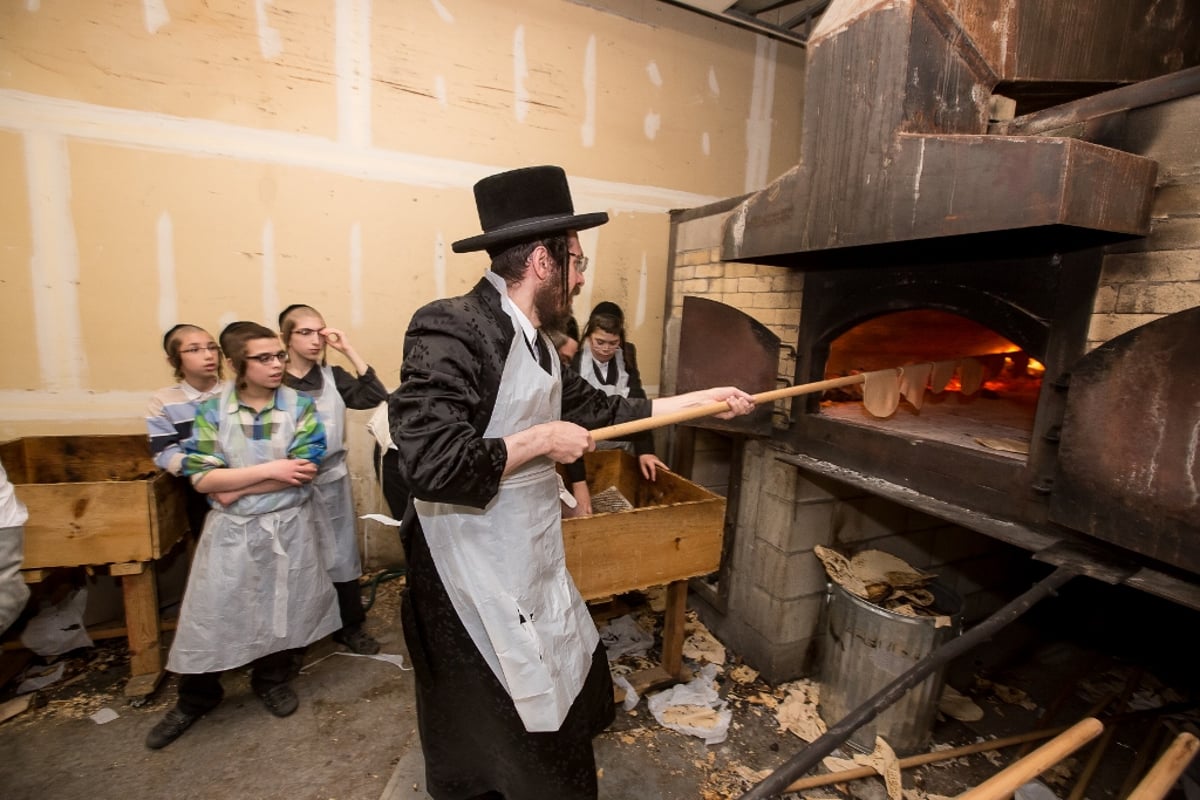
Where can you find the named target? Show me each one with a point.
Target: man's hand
(739, 402)
(566, 442)
(650, 465)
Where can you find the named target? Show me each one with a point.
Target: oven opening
(981, 392)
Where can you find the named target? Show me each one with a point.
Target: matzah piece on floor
(610, 500)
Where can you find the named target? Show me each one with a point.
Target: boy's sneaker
(170, 728)
(358, 640)
(279, 699)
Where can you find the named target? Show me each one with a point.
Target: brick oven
(978, 180)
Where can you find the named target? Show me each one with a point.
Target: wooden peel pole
(1167, 769)
(1007, 781)
(650, 423)
(856, 773)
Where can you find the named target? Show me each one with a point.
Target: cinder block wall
(1148, 278)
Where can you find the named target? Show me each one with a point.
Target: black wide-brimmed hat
(523, 204)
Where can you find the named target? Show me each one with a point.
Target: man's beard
(551, 308)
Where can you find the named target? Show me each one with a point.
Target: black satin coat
(472, 737)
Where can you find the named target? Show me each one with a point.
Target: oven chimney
(896, 146)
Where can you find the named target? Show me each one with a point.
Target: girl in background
(196, 360)
(306, 335)
(607, 361)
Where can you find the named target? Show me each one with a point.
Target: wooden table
(673, 533)
(99, 501)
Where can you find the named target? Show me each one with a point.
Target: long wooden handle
(854, 773)
(1167, 769)
(1014, 776)
(650, 423)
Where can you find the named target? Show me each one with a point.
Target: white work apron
(504, 567)
(334, 502)
(587, 371)
(257, 584)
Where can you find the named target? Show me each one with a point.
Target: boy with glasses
(257, 591)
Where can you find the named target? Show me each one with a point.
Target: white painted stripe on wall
(270, 44)
(352, 62)
(22, 406)
(54, 264)
(270, 281)
(589, 241)
(443, 12)
(30, 113)
(639, 315)
(357, 315)
(587, 129)
(156, 14)
(168, 291)
(758, 123)
(520, 73)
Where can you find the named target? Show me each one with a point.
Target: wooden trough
(674, 532)
(100, 500)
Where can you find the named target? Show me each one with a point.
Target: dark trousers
(387, 471)
(202, 692)
(349, 598)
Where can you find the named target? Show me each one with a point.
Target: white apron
(587, 371)
(257, 584)
(504, 567)
(334, 502)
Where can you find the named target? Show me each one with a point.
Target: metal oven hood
(896, 143)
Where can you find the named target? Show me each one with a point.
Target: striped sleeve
(202, 450)
(309, 441)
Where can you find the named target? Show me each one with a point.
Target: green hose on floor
(378, 578)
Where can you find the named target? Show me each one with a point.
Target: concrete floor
(354, 735)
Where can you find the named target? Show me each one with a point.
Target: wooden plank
(141, 622)
(72, 524)
(1167, 87)
(645, 680)
(143, 685)
(18, 705)
(167, 503)
(128, 568)
(35, 575)
(82, 459)
(674, 617)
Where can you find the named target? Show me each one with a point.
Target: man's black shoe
(358, 640)
(280, 699)
(170, 728)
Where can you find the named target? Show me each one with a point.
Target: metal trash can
(865, 648)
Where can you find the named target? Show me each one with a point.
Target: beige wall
(184, 161)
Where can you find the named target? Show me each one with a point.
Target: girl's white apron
(504, 567)
(587, 371)
(257, 584)
(333, 501)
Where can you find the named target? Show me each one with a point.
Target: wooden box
(93, 500)
(674, 531)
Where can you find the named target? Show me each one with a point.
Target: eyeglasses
(305, 331)
(208, 348)
(581, 261)
(267, 358)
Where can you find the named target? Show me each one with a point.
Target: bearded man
(512, 680)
